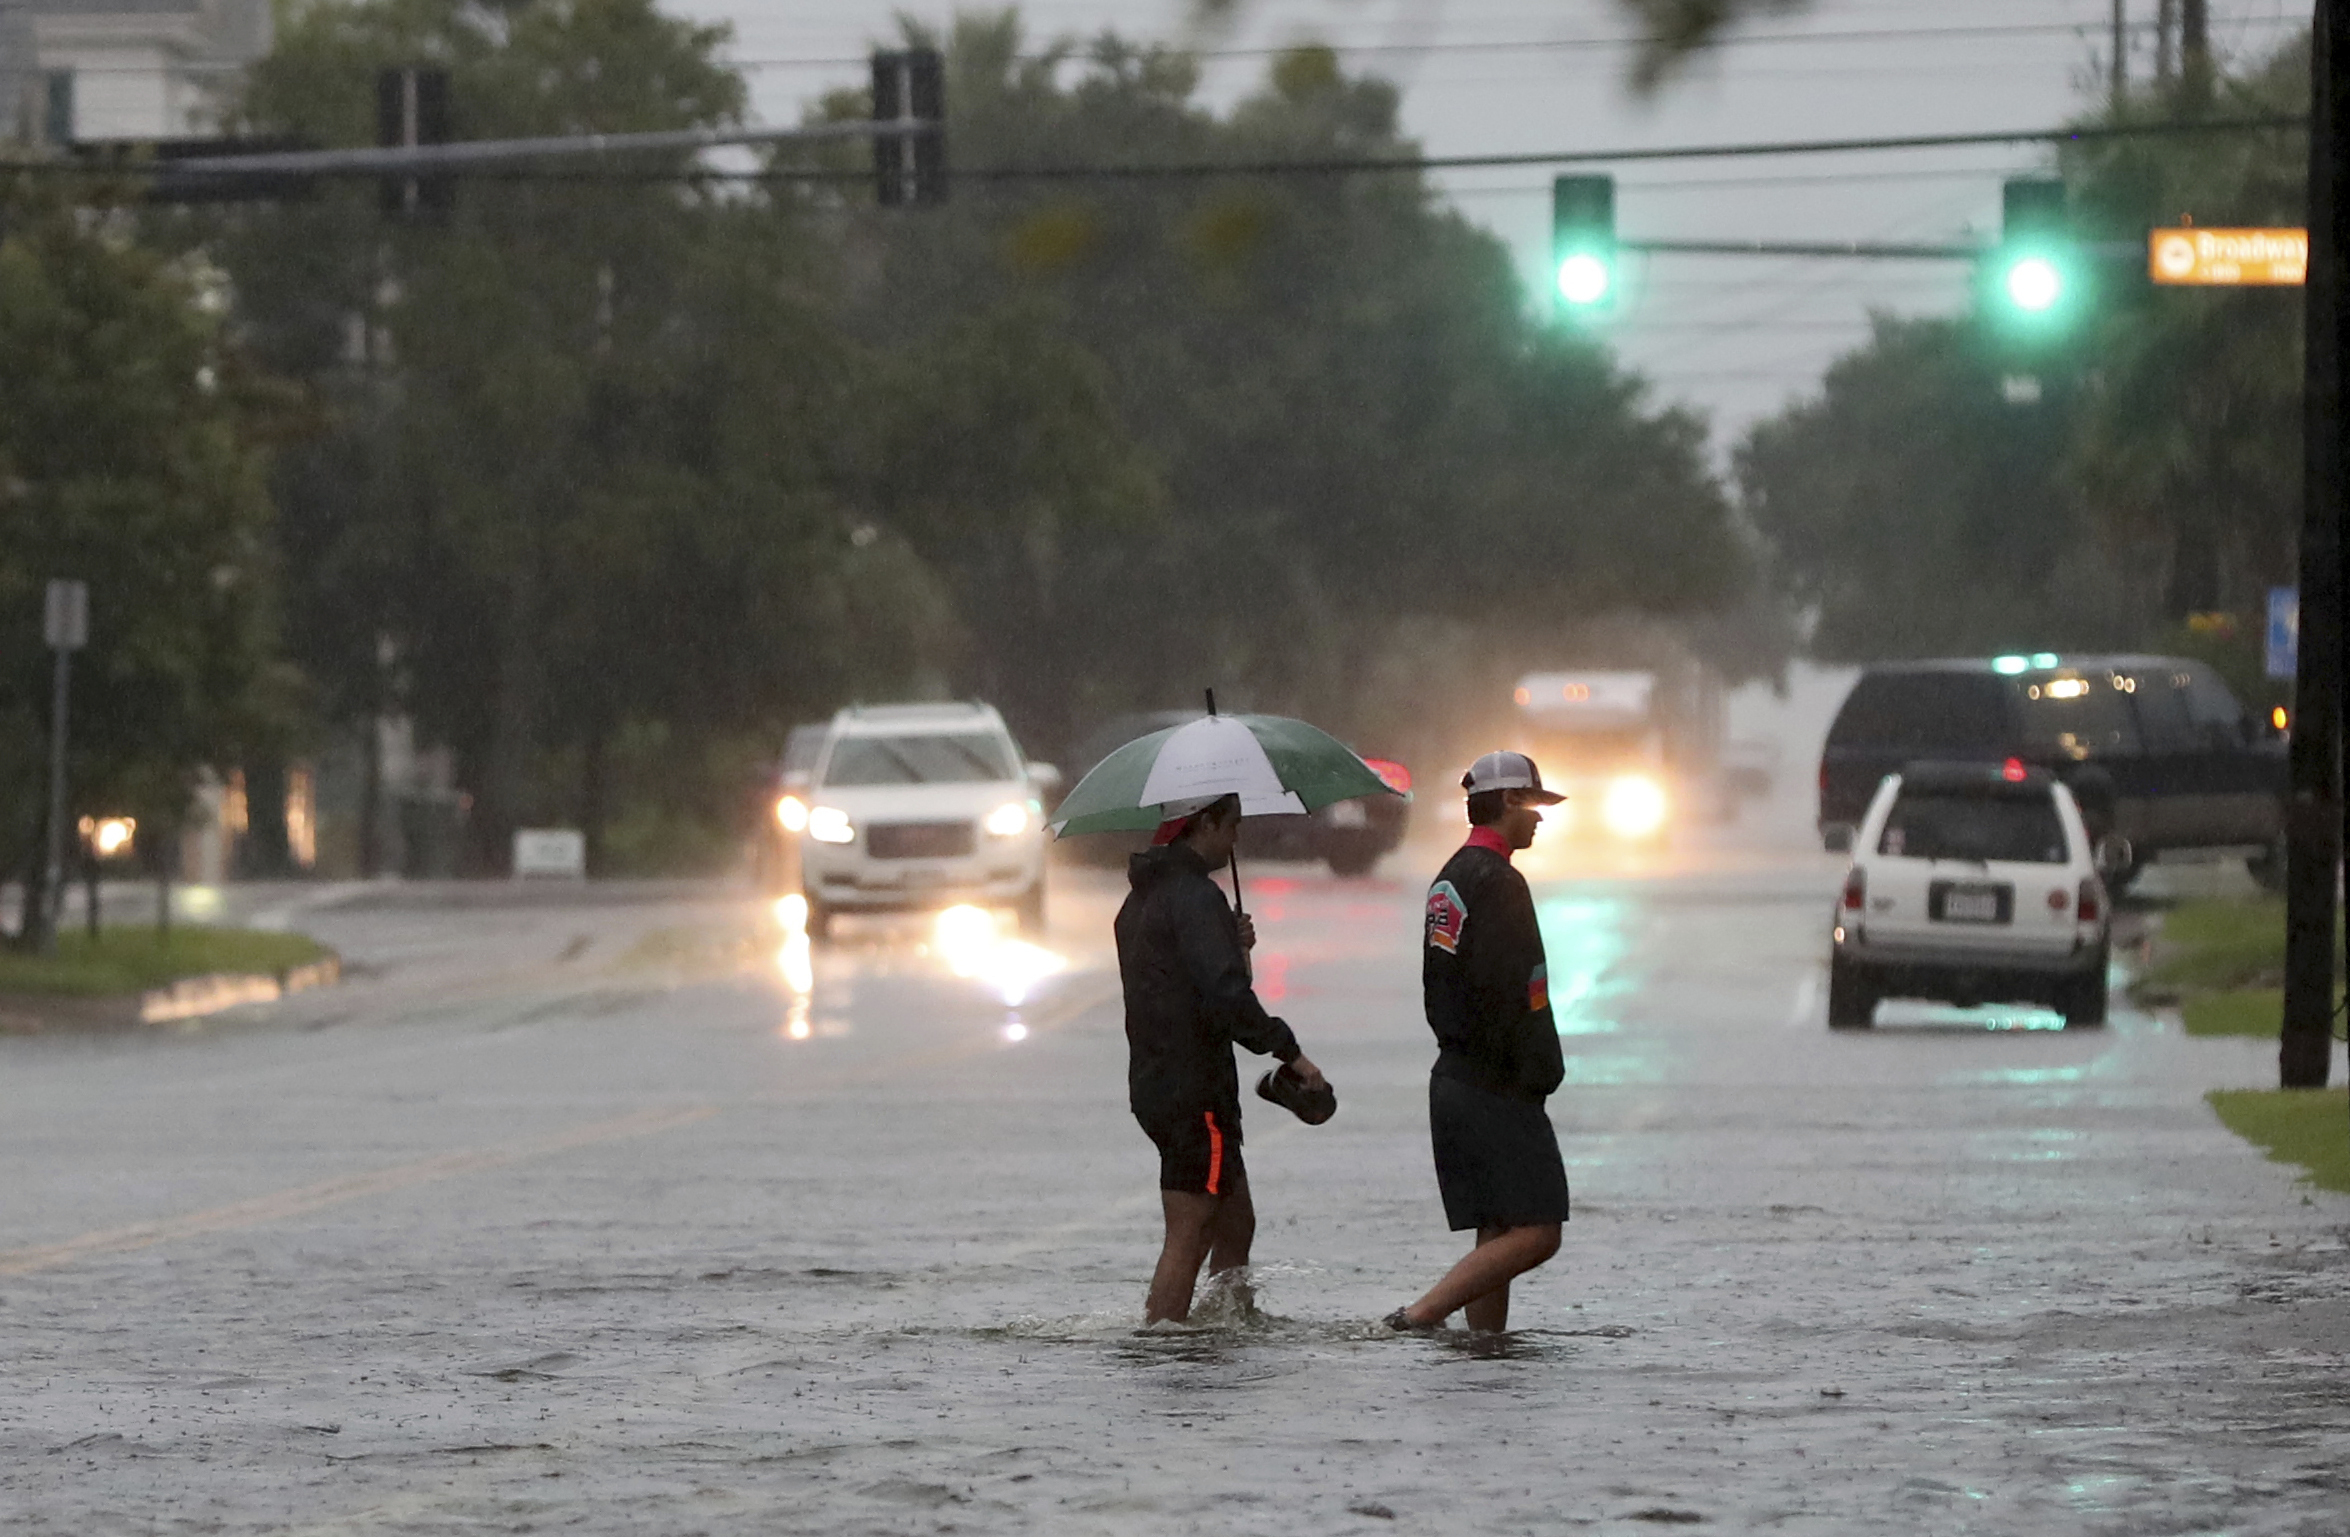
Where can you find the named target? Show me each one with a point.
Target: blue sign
(2284, 631)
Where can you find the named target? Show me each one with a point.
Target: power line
(1559, 44)
(477, 160)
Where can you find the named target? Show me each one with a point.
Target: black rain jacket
(1188, 999)
(1485, 982)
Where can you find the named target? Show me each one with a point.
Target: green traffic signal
(1583, 241)
(2034, 278)
(2034, 283)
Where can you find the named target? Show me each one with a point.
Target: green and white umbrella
(1272, 763)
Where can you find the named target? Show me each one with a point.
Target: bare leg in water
(1480, 1283)
(1214, 1230)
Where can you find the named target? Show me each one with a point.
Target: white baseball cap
(1508, 771)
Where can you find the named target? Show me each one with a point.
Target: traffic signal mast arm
(478, 153)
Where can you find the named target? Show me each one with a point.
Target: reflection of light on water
(1582, 940)
(1015, 1032)
(966, 938)
(1272, 977)
(795, 962)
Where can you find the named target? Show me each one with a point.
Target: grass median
(132, 960)
(2309, 1127)
(2222, 964)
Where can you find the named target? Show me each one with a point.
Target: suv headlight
(830, 824)
(1009, 820)
(792, 812)
(1634, 807)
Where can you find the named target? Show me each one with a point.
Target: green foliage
(131, 960)
(617, 462)
(132, 457)
(1916, 511)
(2188, 441)
(2309, 1127)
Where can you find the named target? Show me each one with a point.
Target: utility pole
(2119, 71)
(2166, 27)
(65, 629)
(2195, 46)
(2313, 815)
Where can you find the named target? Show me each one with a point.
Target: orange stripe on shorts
(1215, 1151)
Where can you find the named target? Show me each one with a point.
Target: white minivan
(917, 806)
(1972, 883)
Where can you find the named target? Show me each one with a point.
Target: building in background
(90, 70)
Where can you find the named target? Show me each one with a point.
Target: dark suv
(2154, 748)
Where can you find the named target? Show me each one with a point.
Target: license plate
(1963, 906)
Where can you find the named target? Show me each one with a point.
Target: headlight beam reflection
(795, 963)
(968, 940)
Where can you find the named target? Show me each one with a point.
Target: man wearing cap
(1486, 989)
(1183, 958)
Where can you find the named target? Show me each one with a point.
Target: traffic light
(909, 90)
(1583, 242)
(411, 109)
(2036, 275)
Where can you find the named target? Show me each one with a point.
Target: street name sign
(2228, 257)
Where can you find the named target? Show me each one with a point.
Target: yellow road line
(333, 1192)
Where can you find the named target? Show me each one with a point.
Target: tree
(1914, 509)
(133, 456)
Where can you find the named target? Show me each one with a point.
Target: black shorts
(1199, 1154)
(1497, 1160)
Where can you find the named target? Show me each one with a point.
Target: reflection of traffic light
(2036, 275)
(1583, 242)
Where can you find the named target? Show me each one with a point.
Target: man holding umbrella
(1486, 988)
(1183, 958)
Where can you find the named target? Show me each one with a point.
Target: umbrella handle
(1238, 908)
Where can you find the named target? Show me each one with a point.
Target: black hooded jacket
(1188, 999)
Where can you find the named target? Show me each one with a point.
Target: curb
(187, 999)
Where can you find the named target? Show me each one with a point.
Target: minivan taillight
(2091, 906)
(1856, 890)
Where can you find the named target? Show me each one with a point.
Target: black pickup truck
(2154, 748)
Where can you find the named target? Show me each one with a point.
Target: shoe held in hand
(1286, 1089)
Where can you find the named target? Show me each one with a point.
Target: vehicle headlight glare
(1009, 820)
(792, 812)
(1634, 808)
(830, 824)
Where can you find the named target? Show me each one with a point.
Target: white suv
(1972, 883)
(918, 806)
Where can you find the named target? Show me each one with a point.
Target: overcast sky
(1734, 338)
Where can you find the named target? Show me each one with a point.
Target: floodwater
(646, 1219)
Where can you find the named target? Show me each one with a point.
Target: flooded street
(646, 1218)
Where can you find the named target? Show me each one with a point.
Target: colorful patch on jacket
(1538, 989)
(1447, 915)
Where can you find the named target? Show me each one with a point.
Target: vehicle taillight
(2092, 903)
(1823, 776)
(1856, 890)
(1391, 774)
(2012, 771)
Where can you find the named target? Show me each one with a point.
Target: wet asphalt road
(638, 1218)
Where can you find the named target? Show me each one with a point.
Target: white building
(80, 70)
